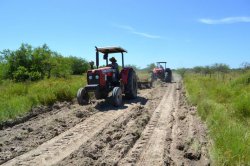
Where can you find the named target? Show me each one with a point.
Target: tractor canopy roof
(161, 62)
(108, 50)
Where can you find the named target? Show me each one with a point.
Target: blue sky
(185, 33)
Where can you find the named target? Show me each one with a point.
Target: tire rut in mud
(26, 136)
(22, 138)
(108, 147)
(114, 142)
(43, 126)
(148, 149)
(187, 144)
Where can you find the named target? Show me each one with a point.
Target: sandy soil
(157, 128)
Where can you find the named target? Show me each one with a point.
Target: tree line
(36, 63)
(217, 68)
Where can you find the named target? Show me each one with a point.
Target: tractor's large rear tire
(82, 97)
(168, 75)
(117, 96)
(131, 88)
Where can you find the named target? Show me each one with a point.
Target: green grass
(17, 99)
(225, 106)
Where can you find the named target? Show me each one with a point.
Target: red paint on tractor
(124, 75)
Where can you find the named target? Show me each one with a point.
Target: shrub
(21, 74)
(35, 75)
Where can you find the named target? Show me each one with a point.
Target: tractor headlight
(90, 77)
(97, 77)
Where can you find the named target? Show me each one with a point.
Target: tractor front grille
(94, 80)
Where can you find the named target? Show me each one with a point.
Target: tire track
(59, 147)
(187, 143)
(154, 150)
(149, 148)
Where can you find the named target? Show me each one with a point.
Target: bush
(78, 65)
(61, 67)
(36, 63)
(21, 74)
(35, 75)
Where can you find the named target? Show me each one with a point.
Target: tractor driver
(113, 64)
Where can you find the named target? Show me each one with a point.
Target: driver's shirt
(114, 65)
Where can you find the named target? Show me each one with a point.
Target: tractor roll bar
(109, 50)
(122, 60)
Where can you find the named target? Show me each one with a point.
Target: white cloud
(146, 35)
(126, 27)
(227, 20)
(133, 31)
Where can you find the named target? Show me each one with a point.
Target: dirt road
(157, 128)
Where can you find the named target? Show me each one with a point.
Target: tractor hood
(158, 70)
(104, 70)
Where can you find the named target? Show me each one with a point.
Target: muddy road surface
(157, 128)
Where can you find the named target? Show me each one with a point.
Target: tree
(40, 60)
(78, 65)
(15, 59)
(36, 63)
(150, 67)
(182, 71)
(198, 69)
(133, 66)
(245, 65)
(220, 67)
(60, 66)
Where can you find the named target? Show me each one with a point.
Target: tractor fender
(124, 75)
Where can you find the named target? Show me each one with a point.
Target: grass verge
(17, 99)
(225, 106)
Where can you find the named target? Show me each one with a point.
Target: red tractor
(165, 74)
(107, 79)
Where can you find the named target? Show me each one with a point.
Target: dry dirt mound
(157, 128)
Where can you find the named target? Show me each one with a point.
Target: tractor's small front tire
(82, 96)
(117, 96)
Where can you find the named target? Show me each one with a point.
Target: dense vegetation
(222, 96)
(28, 63)
(37, 76)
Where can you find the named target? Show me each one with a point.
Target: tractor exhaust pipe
(97, 57)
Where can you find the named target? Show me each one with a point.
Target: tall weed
(225, 106)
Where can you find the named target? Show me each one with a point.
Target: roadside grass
(224, 103)
(17, 99)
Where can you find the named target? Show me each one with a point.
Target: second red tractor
(163, 73)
